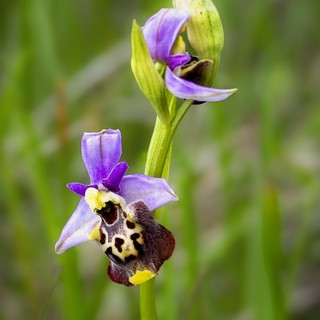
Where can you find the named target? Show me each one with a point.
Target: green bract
(205, 32)
(148, 78)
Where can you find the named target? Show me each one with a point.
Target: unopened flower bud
(204, 30)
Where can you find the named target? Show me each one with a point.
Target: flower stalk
(161, 140)
(148, 310)
(161, 32)
(157, 165)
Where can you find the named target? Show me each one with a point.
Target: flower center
(98, 199)
(109, 213)
(120, 237)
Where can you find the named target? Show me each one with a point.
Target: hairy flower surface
(116, 211)
(162, 35)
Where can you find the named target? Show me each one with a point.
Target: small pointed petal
(154, 192)
(184, 89)
(162, 30)
(80, 188)
(101, 152)
(79, 228)
(113, 181)
(178, 60)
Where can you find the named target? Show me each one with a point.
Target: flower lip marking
(118, 242)
(121, 242)
(108, 213)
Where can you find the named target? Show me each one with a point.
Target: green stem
(158, 149)
(148, 309)
(161, 140)
(156, 165)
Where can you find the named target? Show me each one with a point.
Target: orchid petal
(113, 181)
(162, 30)
(184, 89)
(80, 188)
(101, 152)
(178, 60)
(154, 192)
(79, 227)
(158, 245)
(118, 274)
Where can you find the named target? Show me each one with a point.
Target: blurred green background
(246, 170)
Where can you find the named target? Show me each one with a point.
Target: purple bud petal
(184, 89)
(162, 30)
(115, 177)
(178, 60)
(78, 228)
(101, 152)
(154, 192)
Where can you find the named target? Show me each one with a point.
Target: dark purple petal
(162, 30)
(154, 192)
(78, 228)
(159, 241)
(80, 188)
(115, 177)
(101, 152)
(156, 245)
(118, 274)
(178, 60)
(184, 89)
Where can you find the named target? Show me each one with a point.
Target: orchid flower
(115, 212)
(161, 33)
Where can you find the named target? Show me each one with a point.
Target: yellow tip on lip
(141, 276)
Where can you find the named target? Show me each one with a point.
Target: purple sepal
(154, 192)
(113, 181)
(78, 228)
(161, 31)
(80, 188)
(184, 89)
(101, 152)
